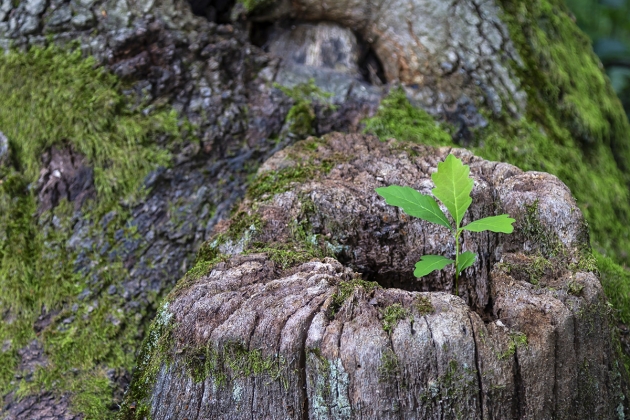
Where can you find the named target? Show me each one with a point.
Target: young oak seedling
(453, 186)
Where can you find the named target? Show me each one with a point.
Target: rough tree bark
(241, 73)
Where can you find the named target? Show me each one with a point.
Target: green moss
(304, 91)
(516, 340)
(243, 222)
(243, 362)
(21, 265)
(208, 251)
(565, 77)
(388, 370)
(201, 268)
(156, 351)
(301, 116)
(345, 289)
(92, 392)
(587, 262)
(616, 282)
(252, 5)
(544, 240)
(286, 257)
(204, 362)
(453, 391)
(71, 101)
(536, 268)
(243, 226)
(275, 182)
(397, 118)
(305, 165)
(245, 231)
(232, 361)
(300, 246)
(391, 315)
(424, 306)
(308, 145)
(574, 288)
(54, 97)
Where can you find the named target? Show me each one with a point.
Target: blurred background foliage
(607, 23)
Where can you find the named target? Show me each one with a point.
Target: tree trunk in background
(83, 267)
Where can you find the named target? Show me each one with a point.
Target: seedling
(453, 186)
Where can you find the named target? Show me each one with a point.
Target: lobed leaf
(466, 259)
(430, 263)
(414, 204)
(499, 224)
(453, 186)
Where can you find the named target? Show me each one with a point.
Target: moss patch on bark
(55, 97)
(564, 78)
(251, 5)
(616, 282)
(391, 315)
(398, 118)
(301, 116)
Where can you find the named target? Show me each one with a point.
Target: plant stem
(457, 261)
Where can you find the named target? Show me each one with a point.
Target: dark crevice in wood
(519, 389)
(478, 366)
(370, 64)
(217, 11)
(203, 391)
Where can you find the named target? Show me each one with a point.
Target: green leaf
(414, 203)
(499, 224)
(466, 259)
(453, 186)
(429, 263)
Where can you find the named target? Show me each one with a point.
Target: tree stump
(254, 332)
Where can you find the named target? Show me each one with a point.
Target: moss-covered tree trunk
(132, 129)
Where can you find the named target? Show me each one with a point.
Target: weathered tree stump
(259, 334)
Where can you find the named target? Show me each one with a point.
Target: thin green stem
(457, 262)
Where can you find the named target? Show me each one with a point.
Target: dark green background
(607, 23)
